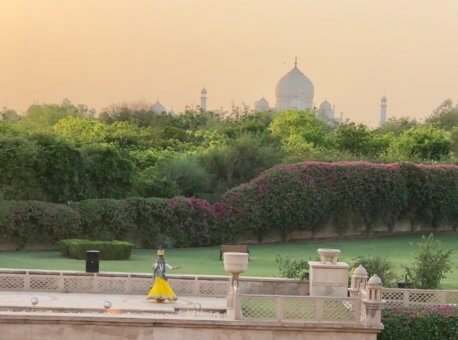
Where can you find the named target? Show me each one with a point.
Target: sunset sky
(100, 52)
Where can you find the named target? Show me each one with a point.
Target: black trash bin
(92, 261)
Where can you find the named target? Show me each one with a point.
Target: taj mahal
(293, 91)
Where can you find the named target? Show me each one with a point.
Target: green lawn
(206, 260)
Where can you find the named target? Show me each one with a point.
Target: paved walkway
(90, 302)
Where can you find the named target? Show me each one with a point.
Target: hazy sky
(99, 52)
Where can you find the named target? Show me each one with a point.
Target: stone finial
(374, 281)
(331, 254)
(374, 288)
(360, 272)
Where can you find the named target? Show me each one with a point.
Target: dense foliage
(431, 323)
(379, 265)
(63, 152)
(304, 196)
(109, 250)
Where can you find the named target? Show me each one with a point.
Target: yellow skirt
(161, 291)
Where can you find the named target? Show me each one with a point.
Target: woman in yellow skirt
(161, 290)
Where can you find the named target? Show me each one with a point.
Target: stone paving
(88, 302)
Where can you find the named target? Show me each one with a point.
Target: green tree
(304, 126)
(18, 177)
(81, 130)
(396, 126)
(431, 264)
(454, 141)
(184, 174)
(241, 160)
(108, 173)
(9, 115)
(426, 142)
(445, 116)
(358, 140)
(60, 168)
(41, 117)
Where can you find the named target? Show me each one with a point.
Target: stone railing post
(328, 277)
(358, 281)
(27, 281)
(372, 302)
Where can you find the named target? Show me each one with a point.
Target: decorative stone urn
(331, 254)
(234, 263)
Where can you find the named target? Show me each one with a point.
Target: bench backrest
(239, 248)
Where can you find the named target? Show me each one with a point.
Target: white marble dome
(294, 88)
(325, 105)
(326, 109)
(261, 105)
(158, 108)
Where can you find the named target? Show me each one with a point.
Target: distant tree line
(65, 152)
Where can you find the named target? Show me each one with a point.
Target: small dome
(384, 99)
(374, 281)
(326, 106)
(360, 271)
(158, 108)
(261, 105)
(326, 110)
(204, 91)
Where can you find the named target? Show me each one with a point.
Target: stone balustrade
(302, 309)
(140, 283)
(395, 297)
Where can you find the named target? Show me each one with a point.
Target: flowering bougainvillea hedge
(430, 323)
(303, 196)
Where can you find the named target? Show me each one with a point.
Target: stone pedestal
(328, 277)
(234, 263)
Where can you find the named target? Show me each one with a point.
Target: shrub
(109, 250)
(295, 269)
(183, 173)
(40, 222)
(106, 219)
(379, 265)
(430, 265)
(433, 323)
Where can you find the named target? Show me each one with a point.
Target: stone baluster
(372, 302)
(358, 281)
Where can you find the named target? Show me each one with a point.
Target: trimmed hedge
(303, 196)
(432, 323)
(109, 250)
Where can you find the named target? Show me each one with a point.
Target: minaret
(203, 100)
(383, 111)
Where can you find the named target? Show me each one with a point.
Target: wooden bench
(236, 248)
